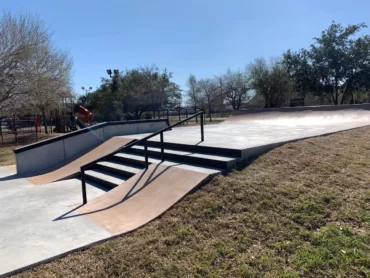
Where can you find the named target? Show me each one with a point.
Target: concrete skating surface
(249, 130)
(29, 228)
(40, 222)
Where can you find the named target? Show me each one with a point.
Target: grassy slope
(300, 210)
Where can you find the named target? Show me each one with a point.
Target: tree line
(334, 68)
(34, 73)
(131, 93)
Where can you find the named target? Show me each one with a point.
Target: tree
(136, 91)
(236, 88)
(22, 37)
(221, 85)
(341, 61)
(300, 69)
(208, 92)
(193, 91)
(48, 76)
(271, 81)
(90, 101)
(335, 67)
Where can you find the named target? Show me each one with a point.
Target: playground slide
(80, 124)
(83, 111)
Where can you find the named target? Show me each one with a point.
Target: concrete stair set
(117, 169)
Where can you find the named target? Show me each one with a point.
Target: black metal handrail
(145, 140)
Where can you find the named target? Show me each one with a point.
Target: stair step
(223, 162)
(120, 169)
(132, 159)
(141, 159)
(98, 186)
(104, 178)
(197, 148)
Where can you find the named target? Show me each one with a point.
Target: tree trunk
(45, 122)
(266, 102)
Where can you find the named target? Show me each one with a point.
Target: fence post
(15, 130)
(35, 127)
(202, 127)
(1, 132)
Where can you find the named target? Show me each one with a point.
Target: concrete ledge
(321, 108)
(45, 154)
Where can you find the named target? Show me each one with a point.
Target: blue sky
(202, 37)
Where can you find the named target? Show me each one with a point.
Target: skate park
(44, 214)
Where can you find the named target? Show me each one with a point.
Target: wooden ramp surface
(74, 166)
(141, 199)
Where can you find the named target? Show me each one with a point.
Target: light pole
(114, 85)
(87, 90)
(109, 71)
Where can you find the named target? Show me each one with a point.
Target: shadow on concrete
(11, 177)
(128, 195)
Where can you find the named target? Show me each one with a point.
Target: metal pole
(83, 182)
(202, 127)
(179, 115)
(162, 148)
(146, 154)
(167, 114)
(186, 111)
(1, 132)
(36, 126)
(15, 130)
(195, 111)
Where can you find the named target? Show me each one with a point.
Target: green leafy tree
(271, 81)
(335, 67)
(303, 74)
(131, 93)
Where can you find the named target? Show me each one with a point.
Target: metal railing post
(146, 154)
(84, 197)
(162, 147)
(202, 127)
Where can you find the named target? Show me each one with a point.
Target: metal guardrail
(143, 140)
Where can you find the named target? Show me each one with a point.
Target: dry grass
(301, 210)
(7, 156)
(7, 146)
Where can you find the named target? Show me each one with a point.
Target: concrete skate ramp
(311, 115)
(73, 168)
(142, 198)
